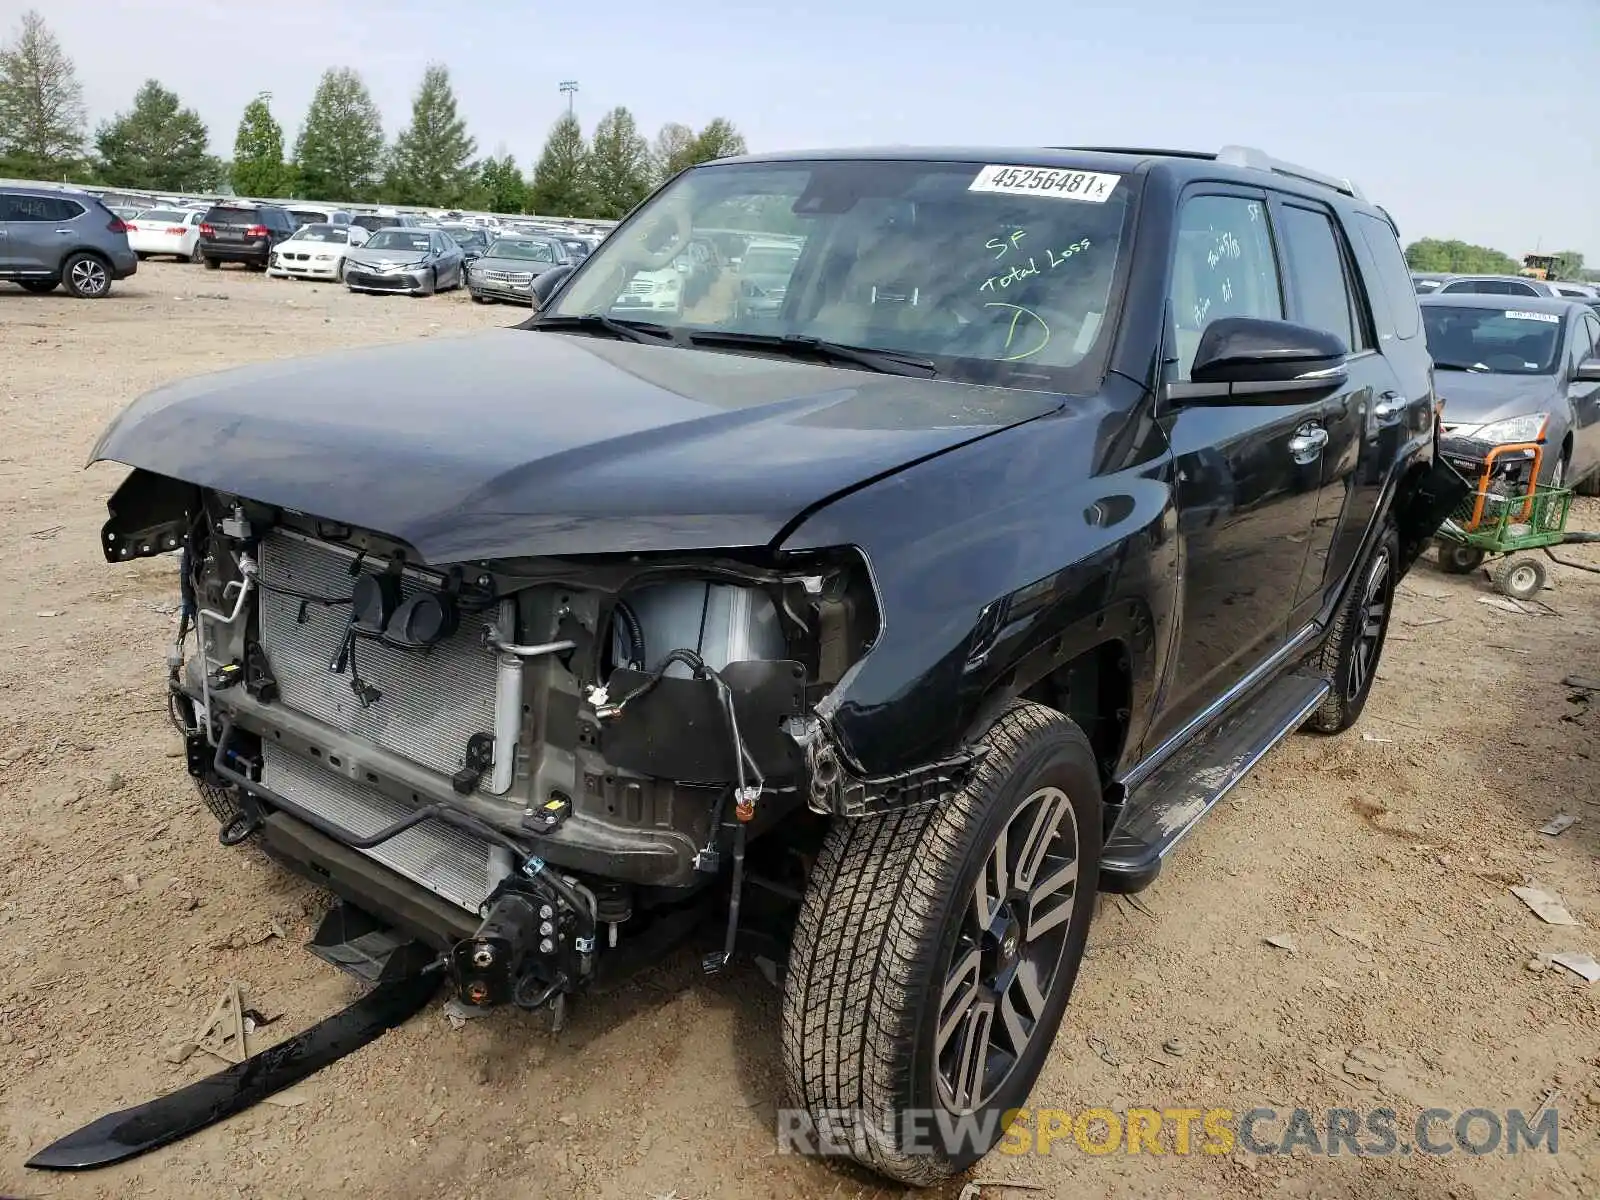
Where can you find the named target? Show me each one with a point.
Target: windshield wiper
(1455, 366)
(796, 345)
(628, 331)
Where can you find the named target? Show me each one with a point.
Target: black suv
(876, 635)
(244, 232)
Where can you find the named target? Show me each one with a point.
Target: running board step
(1165, 807)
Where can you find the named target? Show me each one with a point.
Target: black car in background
(244, 233)
(472, 240)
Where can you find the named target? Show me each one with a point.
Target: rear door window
(14, 207)
(1319, 287)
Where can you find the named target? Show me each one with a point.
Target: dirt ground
(1383, 858)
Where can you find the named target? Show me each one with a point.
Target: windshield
(323, 233)
(533, 251)
(1502, 340)
(1002, 273)
(465, 236)
(399, 239)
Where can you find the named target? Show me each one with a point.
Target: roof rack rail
(1235, 156)
(1258, 160)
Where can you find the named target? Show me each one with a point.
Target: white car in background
(174, 231)
(315, 252)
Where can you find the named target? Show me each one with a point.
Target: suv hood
(518, 442)
(1478, 397)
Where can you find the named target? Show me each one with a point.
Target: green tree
(157, 144)
(432, 161)
(41, 104)
(719, 139)
(619, 165)
(339, 153)
(1569, 264)
(258, 167)
(561, 176)
(1431, 254)
(672, 151)
(501, 187)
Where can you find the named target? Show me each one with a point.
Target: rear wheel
(195, 255)
(211, 263)
(936, 950)
(1522, 577)
(1457, 559)
(86, 276)
(1349, 657)
(39, 287)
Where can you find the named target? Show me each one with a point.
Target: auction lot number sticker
(1092, 186)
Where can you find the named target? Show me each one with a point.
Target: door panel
(1320, 287)
(1585, 398)
(1248, 476)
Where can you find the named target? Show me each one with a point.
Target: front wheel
(1349, 658)
(936, 950)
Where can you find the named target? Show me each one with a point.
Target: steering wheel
(672, 218)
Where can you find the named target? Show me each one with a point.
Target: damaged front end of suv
(545, 751)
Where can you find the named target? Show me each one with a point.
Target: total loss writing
(1025, 268)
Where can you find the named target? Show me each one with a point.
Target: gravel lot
(1384, 856)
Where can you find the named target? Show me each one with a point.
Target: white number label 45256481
(1092, 186)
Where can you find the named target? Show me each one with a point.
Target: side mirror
(545, 285)
(1258, 351)
(1588, 371)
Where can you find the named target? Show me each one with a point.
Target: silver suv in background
(52, 238)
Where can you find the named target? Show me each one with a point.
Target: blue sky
(1422, 102)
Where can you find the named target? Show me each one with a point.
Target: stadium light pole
(570, 87)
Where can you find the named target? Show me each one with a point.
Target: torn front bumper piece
(119, 1136)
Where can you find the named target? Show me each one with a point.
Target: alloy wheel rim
(1007, 959)
(88, 277)
(1374, 620)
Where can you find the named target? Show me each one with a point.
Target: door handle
(1389, 408)
(1307, 443)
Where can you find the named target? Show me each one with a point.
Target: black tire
(142, 256)
(887, 953)
(39, 287)
(197, 255)
(338, 272)
(86, 276)
(211, 263)
(1456, 558)
(1589, 486)
(223, 801)
(1350, 656)
(1520, 576)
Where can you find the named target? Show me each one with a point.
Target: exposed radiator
(430, 702)
(447, 861)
